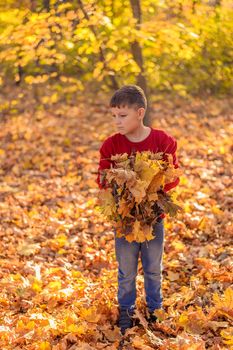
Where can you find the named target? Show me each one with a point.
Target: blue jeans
(127, 255)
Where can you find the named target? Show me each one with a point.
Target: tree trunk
(46, 5)
(138, 57)
(33, 5)
(214, 3)
(194, 4)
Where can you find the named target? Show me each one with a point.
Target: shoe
(125, 320)
(152, 318)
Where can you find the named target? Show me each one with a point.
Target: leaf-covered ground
(58, 287)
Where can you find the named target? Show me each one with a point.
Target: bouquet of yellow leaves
(135, 198)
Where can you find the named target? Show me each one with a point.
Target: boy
(128, 106)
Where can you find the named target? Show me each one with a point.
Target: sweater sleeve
(104, 161)
(169, 145)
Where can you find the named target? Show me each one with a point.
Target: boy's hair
(130, 95)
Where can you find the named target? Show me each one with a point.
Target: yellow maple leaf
(119, 157)
(90, 314)
(140, 234)
(54, 285)
(172, 173)
(194, 321)
(156, 183)
(61, 239)
(28, 248)
(139, 342)
(152, 196)
(121, 176)
(121, 160)
(107, 202)
(123, 208)
(138, 190)
(224, 304)
(37, 285)
(76, 328)
(145, 171)
(45, 345)
(227, 334)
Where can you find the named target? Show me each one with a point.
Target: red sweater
(157, 141)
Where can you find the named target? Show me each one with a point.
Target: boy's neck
(139, 134)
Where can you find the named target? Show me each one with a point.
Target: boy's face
(127, 119)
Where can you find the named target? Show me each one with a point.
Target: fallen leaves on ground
(58, 287)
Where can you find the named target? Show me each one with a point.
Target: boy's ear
(141, 112)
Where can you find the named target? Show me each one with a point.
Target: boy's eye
(123, 115)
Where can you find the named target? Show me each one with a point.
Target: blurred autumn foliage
(180, 47)
(58, 270)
